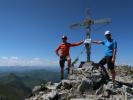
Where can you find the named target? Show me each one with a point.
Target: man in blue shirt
(110, 54)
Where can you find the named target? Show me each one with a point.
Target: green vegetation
(13, 88)
(18, 85)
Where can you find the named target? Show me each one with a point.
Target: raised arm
(97, 42)
(76, 44)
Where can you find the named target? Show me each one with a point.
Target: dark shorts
(107, 60)
(63, 59)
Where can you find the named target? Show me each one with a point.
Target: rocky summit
(88, 82)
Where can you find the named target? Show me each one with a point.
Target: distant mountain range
(12, 88)
(16, 83)
(25, 68)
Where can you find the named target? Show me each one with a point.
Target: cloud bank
(16, 61)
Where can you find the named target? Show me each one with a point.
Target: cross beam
(87, 23)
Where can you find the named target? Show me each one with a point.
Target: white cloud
(36, 58)
(14, 58)
(16, 61)
(4, 57)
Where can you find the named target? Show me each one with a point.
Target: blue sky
(30, 30)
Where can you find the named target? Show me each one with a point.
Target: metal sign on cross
(87, 23)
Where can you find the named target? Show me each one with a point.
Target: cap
(107, 32)
(64, 37)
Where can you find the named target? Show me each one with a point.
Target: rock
(66, 84)
(44, 88)
(49, 83)
(36, 89)
(127, 89)
(88, 67)
(88, 83)
(53, 86)
(50, 96)
(72, 77)
(100, 90)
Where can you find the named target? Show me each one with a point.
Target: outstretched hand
(87, 41)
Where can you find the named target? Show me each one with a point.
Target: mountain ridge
(18, 85)
(88, 83)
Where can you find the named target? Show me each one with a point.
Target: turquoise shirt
(109, 46)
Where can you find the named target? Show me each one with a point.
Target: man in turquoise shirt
(110, 54)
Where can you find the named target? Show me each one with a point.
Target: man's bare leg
(113, 73)
(62, 69)
(62, 73)
(69, 64)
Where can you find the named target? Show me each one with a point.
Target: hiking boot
(115, 85)
(106, 79)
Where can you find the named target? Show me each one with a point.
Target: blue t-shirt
(109, 46)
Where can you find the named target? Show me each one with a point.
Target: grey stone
(72, 77)
(50, 96)
(85, 85)
(36, 89)
(65, 84)
(49, 83)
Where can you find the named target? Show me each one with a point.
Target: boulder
(86, 85)
(66, 84)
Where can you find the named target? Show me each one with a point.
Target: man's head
(64, 39)
(107, 34)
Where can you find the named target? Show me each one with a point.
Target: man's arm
(114, 52)
(97, 42)
(56, 50)
(76, 44)
(114, 55)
